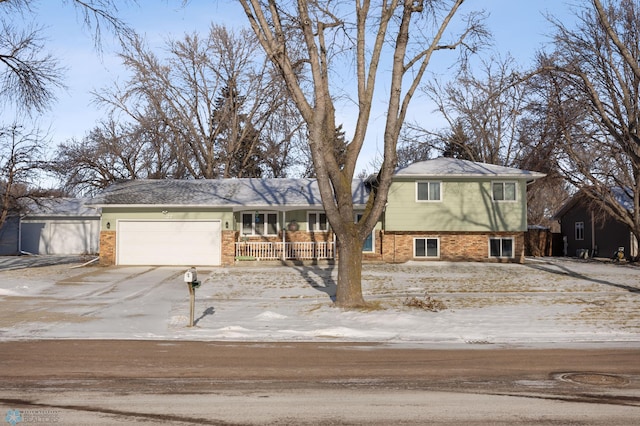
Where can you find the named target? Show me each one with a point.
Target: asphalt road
(164, 382)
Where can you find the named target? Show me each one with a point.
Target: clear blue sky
(518, 26)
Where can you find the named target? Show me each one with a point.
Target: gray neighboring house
(60, 226)
(10, 237)
(588, 232)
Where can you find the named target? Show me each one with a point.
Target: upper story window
(503, 191)
(317, 222)
(259, 223)
(579, 231)
(429, 191)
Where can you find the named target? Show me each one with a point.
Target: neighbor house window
(503, 191)
(501, 247)
(429, 191)
(259, 223)
(318, 222)
(579, 231)
(426, 247)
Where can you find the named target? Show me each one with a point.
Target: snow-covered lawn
(546, 301)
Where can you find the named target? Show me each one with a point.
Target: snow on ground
(546, 301)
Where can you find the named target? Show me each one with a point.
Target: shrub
(428, 303)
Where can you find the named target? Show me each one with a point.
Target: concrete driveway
(22, 262)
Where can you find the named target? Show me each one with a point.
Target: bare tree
(539, 145)
(20, 160)
(380, 32)
(594, 90)
(284, 137)
(483, 108)
(217, 97)
(28, 74)
(209, 109)
(112, 152)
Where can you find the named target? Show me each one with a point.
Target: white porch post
(284, 240)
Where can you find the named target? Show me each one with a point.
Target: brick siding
(454, 246)
(392, 247)
(107, 248)
(228, 248)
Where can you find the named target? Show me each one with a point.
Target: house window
(368, 246)
(318, 222)
(579, 231)
(426, 247)
(429, 191)
(503, 191)
(259, 223)
(501, 247)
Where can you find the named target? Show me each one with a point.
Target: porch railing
(293, 250)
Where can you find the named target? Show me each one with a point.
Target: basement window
(501, 247)
(426, 247)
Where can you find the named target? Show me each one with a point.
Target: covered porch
(264, 250)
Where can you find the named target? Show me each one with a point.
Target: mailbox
(191, 275)
(191, 278)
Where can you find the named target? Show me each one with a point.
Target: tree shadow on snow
(317, 275)
(566, 271)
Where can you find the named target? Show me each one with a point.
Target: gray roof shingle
(278, 193)
(245, 192)
(452, 167)
(61, 207)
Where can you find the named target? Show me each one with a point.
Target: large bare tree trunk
(303, 38)
(349, 289)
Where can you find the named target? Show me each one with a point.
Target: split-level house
(440, 209)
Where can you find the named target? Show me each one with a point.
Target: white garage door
(60, 236)
(168, 242)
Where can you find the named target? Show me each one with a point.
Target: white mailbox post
(191, 278)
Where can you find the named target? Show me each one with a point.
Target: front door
(368, 243)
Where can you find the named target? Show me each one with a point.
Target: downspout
(593, 235)
(20, 235)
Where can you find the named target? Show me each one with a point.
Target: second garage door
(168, 242)
(59, 237)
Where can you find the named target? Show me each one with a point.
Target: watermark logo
(13, 417)
(48, 417)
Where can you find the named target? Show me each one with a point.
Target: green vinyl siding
(111, 215)
(465, 206)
